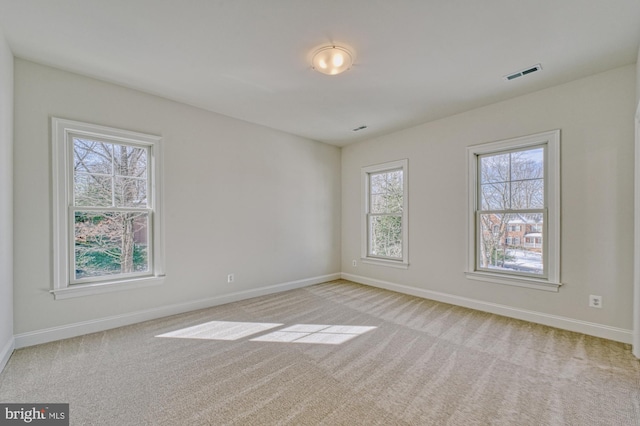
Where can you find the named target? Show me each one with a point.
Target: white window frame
(365, 237)
(551, 241)
(62, 133)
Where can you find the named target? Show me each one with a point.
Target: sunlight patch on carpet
(299, 333)
(221, 330)
(315, 333)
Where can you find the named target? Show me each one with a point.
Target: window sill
(80, 290)
(538, 284)
(398, 264)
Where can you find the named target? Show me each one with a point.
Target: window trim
(550, 139)
(62, 131)
(364, 238)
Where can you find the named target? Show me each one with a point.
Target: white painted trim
(636, 241)
(571, 324)
(364, 206)
(62, 132)
(77, 329)
(514, 280)
(82, 290)
(552, 202)
(6, 353)
(385, 262)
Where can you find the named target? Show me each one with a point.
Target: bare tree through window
(111, 218)
(511, 208)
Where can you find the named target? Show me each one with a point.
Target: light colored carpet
(424, 363)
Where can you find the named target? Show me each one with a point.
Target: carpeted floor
(283, 360)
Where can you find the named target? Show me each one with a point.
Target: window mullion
(113, 175)
(522, 211)
(110, 209)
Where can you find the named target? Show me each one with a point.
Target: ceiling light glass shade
(331, 60)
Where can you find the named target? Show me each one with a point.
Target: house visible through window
(514, 223)
(384, 235)
(511, 188)
(107, 217)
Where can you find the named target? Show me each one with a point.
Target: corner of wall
(6, 352)
(636, 237)
(7, 342)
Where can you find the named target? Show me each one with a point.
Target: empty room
(356, 212)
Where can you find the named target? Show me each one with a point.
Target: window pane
(385, 236)
(513, 180)
(495, 196)
(527, 164)
(110, 243)
(130, 161)
(511, 242)
(91, 156)
(494, 168)
(109, 174)
(385, 192)
(390, 202)
(92, 190)
(527, 194)
(131, 192)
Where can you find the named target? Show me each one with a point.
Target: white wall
(6, 201)
(595, 115)
(239, 198)
(265, 205)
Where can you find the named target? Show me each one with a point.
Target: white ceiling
(416, 60)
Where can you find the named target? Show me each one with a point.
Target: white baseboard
(590, 328)
(77, 329)
(5, 353)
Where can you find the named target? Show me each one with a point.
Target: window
(515, 181)
(107, 215)
(384, 224)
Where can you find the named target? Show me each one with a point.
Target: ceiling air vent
(524, 72)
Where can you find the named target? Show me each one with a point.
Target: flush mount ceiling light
(331, 60)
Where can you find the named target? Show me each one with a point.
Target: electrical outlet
(595, 301)
(230, 278)
(354, 263)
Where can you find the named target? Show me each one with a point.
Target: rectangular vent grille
(524, 72)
